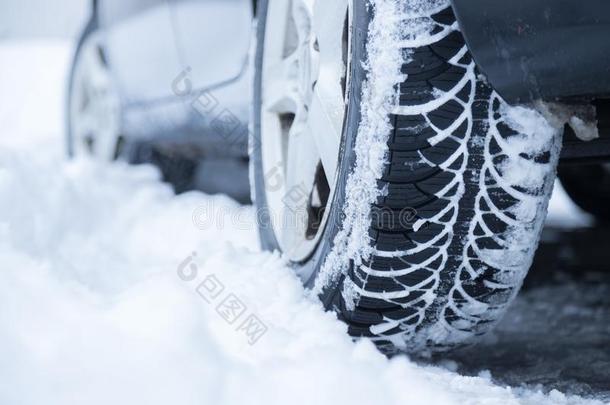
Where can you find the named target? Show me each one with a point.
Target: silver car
(392, 161)
(165, 81)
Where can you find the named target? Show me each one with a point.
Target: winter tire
(398, 184)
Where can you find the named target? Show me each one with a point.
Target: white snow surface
(92, 310)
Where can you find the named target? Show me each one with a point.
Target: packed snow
(113, 290)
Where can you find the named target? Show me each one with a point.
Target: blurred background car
(165, 82)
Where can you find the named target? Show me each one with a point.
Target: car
(402, 153)
(154, 80)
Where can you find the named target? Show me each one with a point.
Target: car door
(213, 38)
(140, 45)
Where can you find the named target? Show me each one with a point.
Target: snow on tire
(441, 191)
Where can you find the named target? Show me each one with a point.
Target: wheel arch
(546, 49)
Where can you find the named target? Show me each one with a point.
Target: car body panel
(181, 67)
(541, 49)
(140, 47)
(213, 38)
(211, 121)
(112, 12)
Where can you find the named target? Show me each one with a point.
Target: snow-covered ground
(103, 302)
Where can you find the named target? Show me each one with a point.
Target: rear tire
(440, 193)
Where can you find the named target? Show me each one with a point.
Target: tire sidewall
(347, 156)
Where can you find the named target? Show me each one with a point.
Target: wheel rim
(305, 74)
(94, 105)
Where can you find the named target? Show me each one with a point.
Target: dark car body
(542, 49)
(548, 50)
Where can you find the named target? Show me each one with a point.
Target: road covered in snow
(115, 291)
